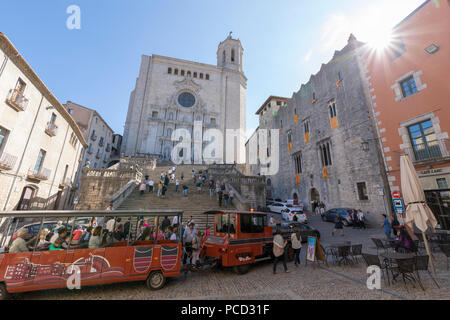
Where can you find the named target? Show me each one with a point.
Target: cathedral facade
(199, 98)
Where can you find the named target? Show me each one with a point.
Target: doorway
(295, 196)
(28, 194)
(314, 195)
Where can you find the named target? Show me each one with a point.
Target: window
(186, 99)
(424, 141)
(182, 72)
(408, 87)
(278, 103)
(39, 161)
(189, 74)
(201, 75)
(207, 77)
(298, 162)
(213, 120)
(325, 154)
(362, 191)
(252, 223)
(232, 55)
(171, 116)
(20, 86)
(169, 71)
(289, 136)
(176, 71)
(53, 118)
(70, 111)
(65, 174)
(169, 132)
(195, 74)
(225, 223)
(3, 138)
(154, 114)
(332, 109)
(442, 183)
(306, 127)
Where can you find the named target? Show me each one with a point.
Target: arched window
(201, 75)
(171, 116)
(232, 55)
(176, 72)
(195, 74)
(169, 71)
(224, 56)
(207, 77)
(188, 73)
(182, 72)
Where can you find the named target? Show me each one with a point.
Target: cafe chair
(422, 265)
(380, 245)
(445, 248)
(343, 254)
(330, 252)
(374, 260)
(356, 250)
(407, 269)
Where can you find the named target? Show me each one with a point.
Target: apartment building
(40, 143)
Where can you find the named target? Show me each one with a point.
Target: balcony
(51, 129)
(40, 175)
(97, 156)
(108, 148)
(66, 183)
(93, 137)
(101, 143)
(17, 100)
(7, 161)
(89, 151)
(430, 152)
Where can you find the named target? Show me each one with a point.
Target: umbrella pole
(427, 246)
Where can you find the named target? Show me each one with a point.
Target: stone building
(40, 143)
(97, 133)
(328, 144)
(171, 94)
(410, 93)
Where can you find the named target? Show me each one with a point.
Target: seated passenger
(145, 235)
(20, 244)
(43, 243)
(61, 233)
(174, 234)
(95, 240)
(77, 235)
(118, 234)
(66, 242)
(57, 245)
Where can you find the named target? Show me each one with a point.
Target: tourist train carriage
(240, 238)
(152, 260)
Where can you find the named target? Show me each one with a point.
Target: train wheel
(156, 280)
(242, 269)
(289, 253)
(4, 295)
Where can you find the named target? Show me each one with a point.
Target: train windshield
(226, 223)
(252, 223)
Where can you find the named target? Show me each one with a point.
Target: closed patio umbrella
(417, 211)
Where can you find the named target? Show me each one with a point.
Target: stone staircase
(194, 204)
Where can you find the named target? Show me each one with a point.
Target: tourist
(231, 193)
(394, 224)
(146, 234)
(185, 190)
(355, 220)
(163, 191)
(119, 235)
(165, 223)
(199, 187)
(60, 234)
(96, 239)
(195, 179)
(58, 226)
(142, 188)
(386, 227)
(177, 184)
(159, 189)
(43, 243)
(57, 245)
(211, 188)
(339, 225)
(175, 221)
(110, 225)
(220, 194)
(126, 228)
(150, 185)
(196, 246)
(173, 237)
(66, 242)
(188, 238)
(174, 169)
(271, 221)
(278, 251)
(182, 176)
(296, 241)
(225, 199)
(20, 243)
(87, 234)
(166, 180)
(193, 172)
(77, 235)
(172, 177)
(361, 220)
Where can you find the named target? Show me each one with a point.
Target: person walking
(387, 227)
(231, 193)
(197, 246)
(142, 188)
(271, 221)
(220, 195)
(225, 199)
(394, 225)
(296, 241)
(160, 189)
(211, 188)
(339, 225)
(177, 184)
(193, 172)
(150, 185)
(163, 191)
(182, 176)
(355, 220)
(361, 220)
(185, 190)
(278, 251)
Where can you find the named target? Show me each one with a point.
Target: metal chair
(343, 254)
(374, 260)
(356, 250)
(330, 251)
(380, 245)
(407, 268)
(445, 248)
(422, 265)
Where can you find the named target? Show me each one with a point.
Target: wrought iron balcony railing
(51, 129)
(434, 150)
(42, 174)
(7, 161)
(17, 100)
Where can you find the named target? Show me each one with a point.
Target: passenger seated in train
(118, 234)
(57, 245)
(95, 240)
(20, 243)
(43, 243)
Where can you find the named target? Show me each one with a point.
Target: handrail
(120, 196)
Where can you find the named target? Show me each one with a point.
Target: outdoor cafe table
(389, 256)
(338, 245)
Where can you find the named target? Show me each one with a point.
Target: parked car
(295, 203)
(332, 214)
(305, 230)
(289, 214)
(277, 207)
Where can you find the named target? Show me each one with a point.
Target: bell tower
(229, 54)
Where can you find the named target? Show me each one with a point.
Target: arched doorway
(295, 197)
(314, 194)
(28, 194)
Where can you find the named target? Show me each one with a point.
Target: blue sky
(284, 41)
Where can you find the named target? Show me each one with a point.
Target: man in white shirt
(150, 185)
